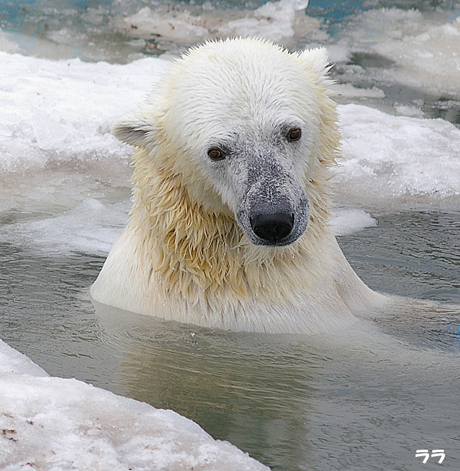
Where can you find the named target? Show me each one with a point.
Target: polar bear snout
(275, 224)
(272, 206)
(272, 227)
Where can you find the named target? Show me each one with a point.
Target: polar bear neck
(200, 255)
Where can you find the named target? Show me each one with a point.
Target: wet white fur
(184, 254)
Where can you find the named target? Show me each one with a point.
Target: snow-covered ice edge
(52, 424)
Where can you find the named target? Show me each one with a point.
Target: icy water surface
(362, 399)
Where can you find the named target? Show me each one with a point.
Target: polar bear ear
(316, 60)
(135, 129)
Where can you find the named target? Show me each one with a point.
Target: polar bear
(229, 226)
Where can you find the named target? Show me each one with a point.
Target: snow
(396, 159)
(56, 424)
(347, 221)
(90, 227)
(60, 111)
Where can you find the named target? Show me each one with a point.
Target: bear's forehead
(242, 73)
(235, 109)
(225, 90)
(239, 85)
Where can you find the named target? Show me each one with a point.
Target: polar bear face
(241, 126)
(258, 175)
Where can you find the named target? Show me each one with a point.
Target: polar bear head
(241, 124)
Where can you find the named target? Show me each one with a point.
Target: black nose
(272, 227)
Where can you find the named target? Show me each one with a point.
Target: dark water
(365, 399)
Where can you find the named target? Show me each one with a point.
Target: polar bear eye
(294, 134)
(214, 153)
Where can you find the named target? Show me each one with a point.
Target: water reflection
(296, 403)
(252, 390)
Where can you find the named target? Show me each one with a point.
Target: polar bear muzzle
(268, 198)
(274, 212)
